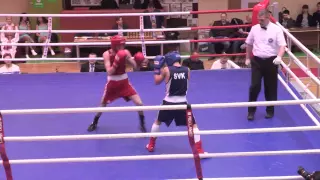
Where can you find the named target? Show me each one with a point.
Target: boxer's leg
(107, 98)
(138, 102)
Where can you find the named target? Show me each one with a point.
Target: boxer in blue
(177, 78)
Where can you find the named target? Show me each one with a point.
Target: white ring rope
(299, 44)
(303, 106)
(154, 108)
(303, 67)
(48, 40)
(159, 134)
(163, 157)
(296, 78)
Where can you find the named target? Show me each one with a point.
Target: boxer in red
(118, 85)
(257, 8)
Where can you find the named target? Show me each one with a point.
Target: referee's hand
(277, 60)
(247, 62)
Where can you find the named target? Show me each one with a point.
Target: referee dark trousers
(263, 68)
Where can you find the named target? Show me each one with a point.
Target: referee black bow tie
(264, 28)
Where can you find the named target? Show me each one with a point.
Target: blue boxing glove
(158, 64)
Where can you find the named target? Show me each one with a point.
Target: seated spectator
(316, 15)
(119, 25)
(92, 65)
(222, 63)
(193, 63)
(24, 24)
(304, 19)
(8, 26)
(7, 38)
(42, 24)
(238, 33)
(8, 67)
(286, 20)
(221, 33)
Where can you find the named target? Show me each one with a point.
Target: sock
(155, 128)
(141, 117)
(96, 119)
(196, 136)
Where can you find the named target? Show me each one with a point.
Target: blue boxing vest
(177, 86)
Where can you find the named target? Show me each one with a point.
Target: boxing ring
(45, 116)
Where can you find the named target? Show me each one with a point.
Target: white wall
(13, 7)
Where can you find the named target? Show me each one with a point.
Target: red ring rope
(3, 153)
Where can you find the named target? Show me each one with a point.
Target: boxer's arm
(131, 60)
(163, 75)
(107, 64)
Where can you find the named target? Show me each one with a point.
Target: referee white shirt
(266, 41)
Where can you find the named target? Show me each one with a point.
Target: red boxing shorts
(118, 89)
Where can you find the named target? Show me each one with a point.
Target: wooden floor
(311, 85)
(50, 67)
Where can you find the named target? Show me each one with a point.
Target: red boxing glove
(120, 58)
(139, 58)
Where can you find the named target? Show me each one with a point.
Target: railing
(293, 59)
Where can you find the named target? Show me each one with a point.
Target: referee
(267, 44)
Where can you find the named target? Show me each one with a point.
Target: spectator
(221, 33)
(8, 67)
(42, 24)
(92, 65)
(316, 15)
(238, 33)
(8, 26)
(119, 25)
(156, 4)
(137, 4)
(106, 4)
(147, 20)
(193, 63)
(287, 21)
(304, 19)
(7, 38)
(222, 63)
(24, 24)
